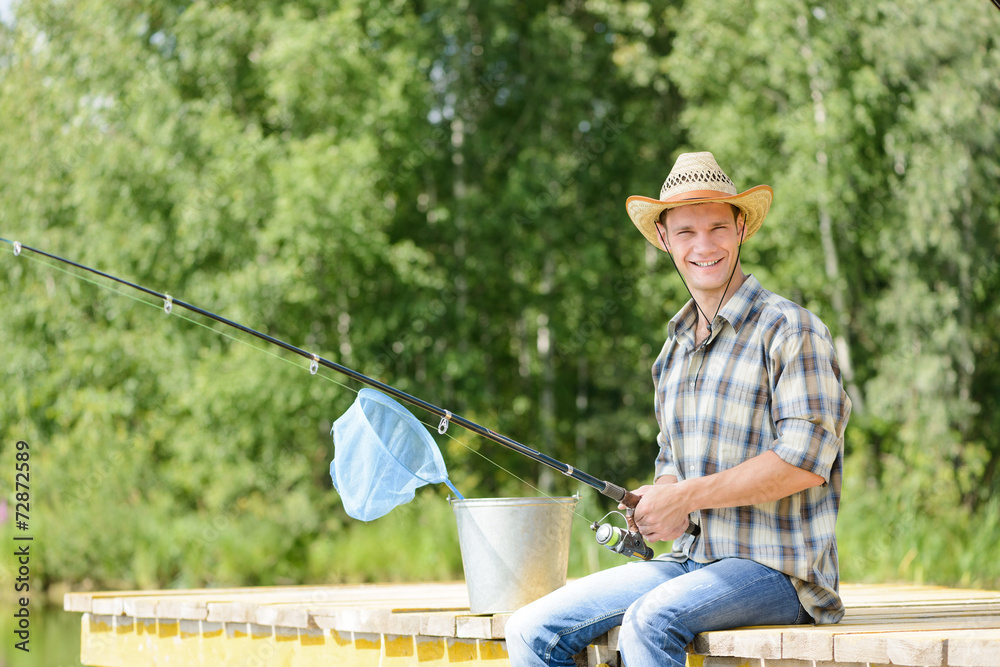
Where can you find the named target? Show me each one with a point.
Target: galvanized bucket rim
(511, 502)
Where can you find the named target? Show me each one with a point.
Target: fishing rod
(629, 543)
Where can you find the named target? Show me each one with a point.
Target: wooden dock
(429, 624)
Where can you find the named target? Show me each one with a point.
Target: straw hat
(697, 179)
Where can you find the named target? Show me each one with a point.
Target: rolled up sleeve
(809, 405)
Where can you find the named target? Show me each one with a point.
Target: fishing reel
(621, 540)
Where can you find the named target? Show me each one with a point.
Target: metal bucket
(514, 550)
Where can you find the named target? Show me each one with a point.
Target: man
(752, 412)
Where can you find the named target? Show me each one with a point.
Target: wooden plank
(817, 642)
(356, 619)
(725, 661)
(714, 643)
(855, 597)
(291, 606)
(111, 606)
(974, 648)
(740, 642)
(83, 601)
(762, 643)
(500, 625)
(601, 654)
(876, 614)
(759, 642)
(897, 648)
(813, 642)
(402, 594)
(383, 619)
(890, 622)
(139, 607)
(406, 623)
(289, 615)
(441, 624)
(182, 608)
(232, 611)
(474, 627)
(603, 650)
(388, 612)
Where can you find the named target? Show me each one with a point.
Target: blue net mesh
(383, 455)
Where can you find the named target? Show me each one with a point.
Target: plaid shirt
(766, 380)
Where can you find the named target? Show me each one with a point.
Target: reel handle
(630, 500)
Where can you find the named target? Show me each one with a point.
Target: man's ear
(661, 233)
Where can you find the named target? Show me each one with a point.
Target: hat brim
(755, 203)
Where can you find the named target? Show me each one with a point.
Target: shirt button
(691, 384)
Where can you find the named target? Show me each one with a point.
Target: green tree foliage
(433, 193)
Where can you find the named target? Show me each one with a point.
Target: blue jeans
(661, 606)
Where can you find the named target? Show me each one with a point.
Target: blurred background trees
(433, 194)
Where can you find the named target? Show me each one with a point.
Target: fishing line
(169, 302)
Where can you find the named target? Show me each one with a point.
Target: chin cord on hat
(739, 248)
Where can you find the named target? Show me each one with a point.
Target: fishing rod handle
(630, 500)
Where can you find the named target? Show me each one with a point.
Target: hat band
(699, 194)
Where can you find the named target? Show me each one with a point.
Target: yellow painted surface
(492, 653)
(430, 649)
(340, 638)
(461, 650)
(98, 641)
(398, 651)
(126, 642)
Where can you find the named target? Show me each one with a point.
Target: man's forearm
(762, 479)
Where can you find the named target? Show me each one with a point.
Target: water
(54, 639)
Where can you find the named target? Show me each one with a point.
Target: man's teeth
(707, 263)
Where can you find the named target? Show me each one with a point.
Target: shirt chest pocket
(743, 423)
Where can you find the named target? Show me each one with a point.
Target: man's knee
(652, 621)
(515, 626)
(522, 628)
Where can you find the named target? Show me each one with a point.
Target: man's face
(704, 241)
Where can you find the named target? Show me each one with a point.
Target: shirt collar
(736, 311)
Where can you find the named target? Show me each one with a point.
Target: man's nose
(704, 241)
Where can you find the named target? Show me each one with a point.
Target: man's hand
(650, 520)
(661, 513)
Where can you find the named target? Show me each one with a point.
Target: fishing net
(382, 456)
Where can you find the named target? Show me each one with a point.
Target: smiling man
(751, 413)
